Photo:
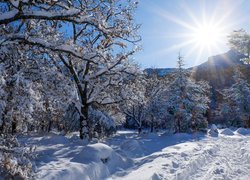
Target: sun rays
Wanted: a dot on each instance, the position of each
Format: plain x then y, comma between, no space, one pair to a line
200,33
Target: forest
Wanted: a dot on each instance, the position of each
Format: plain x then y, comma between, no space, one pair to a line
67,67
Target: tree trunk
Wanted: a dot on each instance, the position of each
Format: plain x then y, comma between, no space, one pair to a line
13,125
152,124
139,130
85,125
49,125
5,127
177,124
48,114
2,127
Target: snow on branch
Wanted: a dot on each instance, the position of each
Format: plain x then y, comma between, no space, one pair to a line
72,14
42,43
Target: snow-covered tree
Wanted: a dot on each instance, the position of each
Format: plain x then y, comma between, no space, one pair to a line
18,100
15,159
145,107
187,100
135,107
95,52
240,41
36,93
237,101
156,109
3,95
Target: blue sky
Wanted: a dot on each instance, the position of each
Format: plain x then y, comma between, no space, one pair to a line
163,23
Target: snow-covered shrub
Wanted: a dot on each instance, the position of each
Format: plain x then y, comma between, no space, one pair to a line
71,119
213,130
102,123
15,160
106,161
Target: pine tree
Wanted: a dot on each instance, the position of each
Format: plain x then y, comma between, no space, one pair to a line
237,101
187,99
240,41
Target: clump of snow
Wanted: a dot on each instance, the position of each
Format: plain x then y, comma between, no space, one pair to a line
94,153
227,132
243,131
76,161
214,127
104,157
213,131
156,177
132,148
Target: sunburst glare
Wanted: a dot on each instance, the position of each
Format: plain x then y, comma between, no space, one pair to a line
208,35
201,34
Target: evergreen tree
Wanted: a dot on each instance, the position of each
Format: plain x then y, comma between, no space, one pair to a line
187,99
237,104
240,41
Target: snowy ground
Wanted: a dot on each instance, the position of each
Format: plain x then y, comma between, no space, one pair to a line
149,156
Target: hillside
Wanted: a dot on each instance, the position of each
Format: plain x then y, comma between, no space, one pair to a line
219,69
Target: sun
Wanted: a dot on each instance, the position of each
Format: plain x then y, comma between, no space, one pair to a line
198,33
207,35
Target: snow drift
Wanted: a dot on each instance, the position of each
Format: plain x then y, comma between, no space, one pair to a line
132,148
94,161
243,131
227,132
104,157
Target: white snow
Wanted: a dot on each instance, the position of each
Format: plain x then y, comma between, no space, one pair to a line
148,156
132,148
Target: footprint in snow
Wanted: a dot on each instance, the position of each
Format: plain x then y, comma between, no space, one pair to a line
184,154
156,177
172,171
218,171
175,165
176,147
165,165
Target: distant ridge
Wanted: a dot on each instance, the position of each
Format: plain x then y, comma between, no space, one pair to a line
218,70
159,71
221,61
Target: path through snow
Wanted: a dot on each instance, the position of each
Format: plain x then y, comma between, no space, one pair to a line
230,160
146,157
224,157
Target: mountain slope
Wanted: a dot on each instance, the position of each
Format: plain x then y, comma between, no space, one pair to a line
219,69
